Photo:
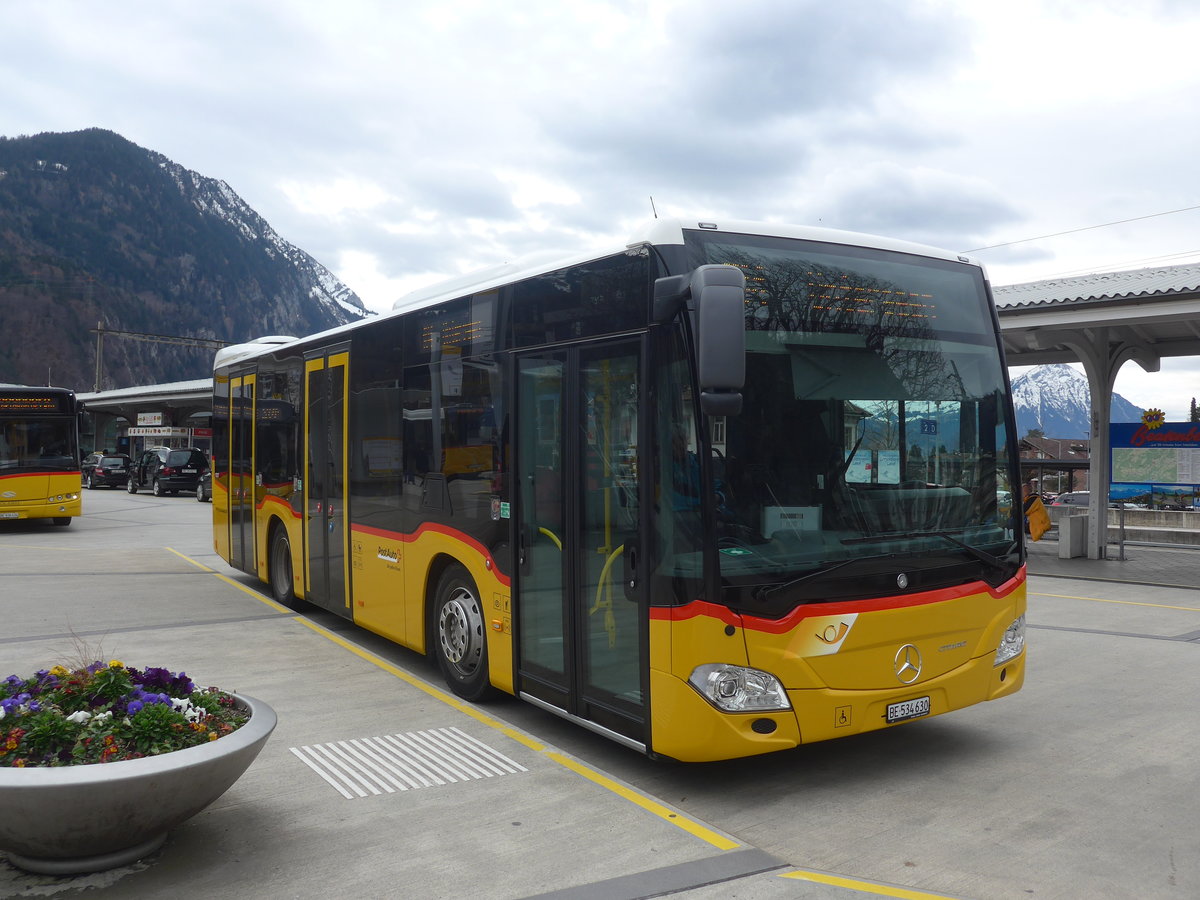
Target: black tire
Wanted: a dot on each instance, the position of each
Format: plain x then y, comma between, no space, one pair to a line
88,483
131,485
62,521
200,493
458,635
279,569
156,488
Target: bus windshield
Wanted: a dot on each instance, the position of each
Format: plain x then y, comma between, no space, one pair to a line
44,444
873,426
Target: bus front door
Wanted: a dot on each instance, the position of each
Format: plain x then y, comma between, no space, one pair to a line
581,626
325,486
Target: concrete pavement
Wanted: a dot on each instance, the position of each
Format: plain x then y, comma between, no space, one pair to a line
499,815
136,579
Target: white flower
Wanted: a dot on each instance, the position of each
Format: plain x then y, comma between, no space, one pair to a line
104,716
82,716
184,706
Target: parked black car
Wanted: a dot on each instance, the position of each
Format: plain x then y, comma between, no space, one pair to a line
167,471
100,469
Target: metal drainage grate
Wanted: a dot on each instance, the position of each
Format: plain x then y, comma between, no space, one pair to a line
402,762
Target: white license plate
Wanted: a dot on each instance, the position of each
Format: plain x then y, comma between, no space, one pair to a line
907,709
9,515
116,471
189,471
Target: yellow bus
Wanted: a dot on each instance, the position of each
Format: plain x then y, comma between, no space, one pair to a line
39,454
726,489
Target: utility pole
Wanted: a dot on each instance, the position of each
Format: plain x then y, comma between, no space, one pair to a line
99,354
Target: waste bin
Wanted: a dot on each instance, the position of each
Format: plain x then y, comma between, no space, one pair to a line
1072,536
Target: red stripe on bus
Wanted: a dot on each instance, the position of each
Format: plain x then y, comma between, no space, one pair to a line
438,529
816,610
26,473
279,501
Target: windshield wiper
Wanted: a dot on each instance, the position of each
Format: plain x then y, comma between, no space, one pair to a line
765,592
1005,569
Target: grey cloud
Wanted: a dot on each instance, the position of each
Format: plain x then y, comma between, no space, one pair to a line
919,205
781,57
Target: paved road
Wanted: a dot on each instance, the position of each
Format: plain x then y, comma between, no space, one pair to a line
1081,786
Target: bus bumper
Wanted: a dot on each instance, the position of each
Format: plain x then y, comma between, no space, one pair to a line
59,506
688,728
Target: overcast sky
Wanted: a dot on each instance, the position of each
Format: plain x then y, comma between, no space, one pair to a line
403,141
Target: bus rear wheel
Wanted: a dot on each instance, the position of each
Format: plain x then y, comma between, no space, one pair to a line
280,569
458,635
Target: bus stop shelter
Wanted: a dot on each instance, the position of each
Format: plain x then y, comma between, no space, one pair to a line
176,414
1103,321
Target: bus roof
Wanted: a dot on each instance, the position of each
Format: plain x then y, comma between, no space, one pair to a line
657,232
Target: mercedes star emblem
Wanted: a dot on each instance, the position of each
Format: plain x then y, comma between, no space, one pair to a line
908,664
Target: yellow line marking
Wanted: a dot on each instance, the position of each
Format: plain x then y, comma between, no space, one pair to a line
866,887
652,806
186,558
1121,602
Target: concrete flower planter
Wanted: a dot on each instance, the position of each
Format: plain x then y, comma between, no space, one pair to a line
64,821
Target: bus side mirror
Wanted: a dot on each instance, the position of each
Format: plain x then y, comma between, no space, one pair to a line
719,298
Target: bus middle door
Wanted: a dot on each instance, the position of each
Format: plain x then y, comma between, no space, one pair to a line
325,483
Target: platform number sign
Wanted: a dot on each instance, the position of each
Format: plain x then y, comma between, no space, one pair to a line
929,426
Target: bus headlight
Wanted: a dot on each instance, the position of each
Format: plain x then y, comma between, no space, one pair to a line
1012,643
738,689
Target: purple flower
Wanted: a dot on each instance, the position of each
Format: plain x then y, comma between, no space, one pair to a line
153,677
134,707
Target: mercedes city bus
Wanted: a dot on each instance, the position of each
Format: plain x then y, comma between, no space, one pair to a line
724,490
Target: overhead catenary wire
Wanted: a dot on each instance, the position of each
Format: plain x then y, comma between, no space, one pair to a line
1169,212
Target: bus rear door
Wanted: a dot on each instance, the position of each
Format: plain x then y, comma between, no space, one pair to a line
241,477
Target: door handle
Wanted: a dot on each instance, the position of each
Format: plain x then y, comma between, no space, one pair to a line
629,570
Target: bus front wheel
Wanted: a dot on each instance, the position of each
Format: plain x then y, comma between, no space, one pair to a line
282,588
458,635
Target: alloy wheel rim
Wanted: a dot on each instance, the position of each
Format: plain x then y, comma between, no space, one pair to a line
459,627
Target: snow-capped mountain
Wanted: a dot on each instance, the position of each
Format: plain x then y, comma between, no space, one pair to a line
95,229
1057,400
214,197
